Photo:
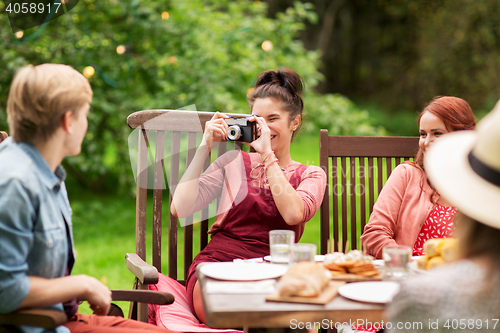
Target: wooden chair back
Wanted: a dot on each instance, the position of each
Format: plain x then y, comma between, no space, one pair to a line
167,141
158,127
357,169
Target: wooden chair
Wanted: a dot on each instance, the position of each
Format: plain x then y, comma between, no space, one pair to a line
357,169
178,133
50,319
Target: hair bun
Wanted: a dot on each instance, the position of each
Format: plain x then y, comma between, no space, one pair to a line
285,78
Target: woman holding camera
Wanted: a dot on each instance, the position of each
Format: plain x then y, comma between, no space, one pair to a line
260,191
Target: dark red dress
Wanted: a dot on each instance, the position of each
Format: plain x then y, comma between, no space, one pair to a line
245,232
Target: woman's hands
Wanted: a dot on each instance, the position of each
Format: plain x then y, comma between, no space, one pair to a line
215,130
262,144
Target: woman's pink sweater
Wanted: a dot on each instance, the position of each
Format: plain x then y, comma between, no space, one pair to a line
400,211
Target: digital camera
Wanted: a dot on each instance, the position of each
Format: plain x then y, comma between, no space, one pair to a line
240,130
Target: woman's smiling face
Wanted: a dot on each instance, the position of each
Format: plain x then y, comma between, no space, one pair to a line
278,121
431,128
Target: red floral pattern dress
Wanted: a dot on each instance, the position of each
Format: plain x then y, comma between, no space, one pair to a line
439,224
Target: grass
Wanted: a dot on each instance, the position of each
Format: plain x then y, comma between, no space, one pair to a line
104,228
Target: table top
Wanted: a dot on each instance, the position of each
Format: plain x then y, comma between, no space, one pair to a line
230,310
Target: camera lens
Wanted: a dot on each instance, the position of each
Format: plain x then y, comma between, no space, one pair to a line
234,132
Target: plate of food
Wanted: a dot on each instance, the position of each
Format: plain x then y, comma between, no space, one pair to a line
371,292
352,266
237,271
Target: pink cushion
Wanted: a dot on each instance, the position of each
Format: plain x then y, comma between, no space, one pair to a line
177,316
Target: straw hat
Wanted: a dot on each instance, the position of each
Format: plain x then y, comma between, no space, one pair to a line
464,167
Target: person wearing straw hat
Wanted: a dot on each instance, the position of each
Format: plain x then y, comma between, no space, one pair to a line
465,295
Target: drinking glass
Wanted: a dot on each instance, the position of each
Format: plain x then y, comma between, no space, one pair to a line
396,260
302,252
280,242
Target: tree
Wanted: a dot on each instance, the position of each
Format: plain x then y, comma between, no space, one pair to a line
160,55
401,53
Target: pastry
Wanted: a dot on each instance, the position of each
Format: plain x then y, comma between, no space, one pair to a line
432,247
353,262
435,262
449,250
422,262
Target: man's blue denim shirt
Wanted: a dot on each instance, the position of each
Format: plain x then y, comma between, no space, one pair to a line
33,238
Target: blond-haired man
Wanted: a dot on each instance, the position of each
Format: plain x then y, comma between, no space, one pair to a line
47,114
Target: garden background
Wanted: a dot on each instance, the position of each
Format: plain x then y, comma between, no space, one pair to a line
369,67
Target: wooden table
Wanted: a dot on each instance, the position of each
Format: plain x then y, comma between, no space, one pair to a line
225,310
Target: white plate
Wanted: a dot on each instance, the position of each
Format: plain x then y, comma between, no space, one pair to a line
235,271
372,292
317,258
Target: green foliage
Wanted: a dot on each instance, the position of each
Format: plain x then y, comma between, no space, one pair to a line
402,53
338,114
202,52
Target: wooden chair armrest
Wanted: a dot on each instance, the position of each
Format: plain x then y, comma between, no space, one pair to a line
48,319
143,296
146,273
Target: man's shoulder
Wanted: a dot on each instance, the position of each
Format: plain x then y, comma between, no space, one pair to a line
15,163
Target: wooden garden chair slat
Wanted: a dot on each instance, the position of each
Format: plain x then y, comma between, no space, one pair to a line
379,152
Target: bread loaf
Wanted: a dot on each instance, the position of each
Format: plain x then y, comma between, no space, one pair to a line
305,279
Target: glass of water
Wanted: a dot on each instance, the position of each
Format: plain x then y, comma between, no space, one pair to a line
280,242
396,261
302,252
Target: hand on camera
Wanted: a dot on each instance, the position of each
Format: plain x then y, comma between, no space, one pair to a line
262,144
215,129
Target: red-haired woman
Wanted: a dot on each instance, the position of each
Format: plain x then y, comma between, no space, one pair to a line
409,210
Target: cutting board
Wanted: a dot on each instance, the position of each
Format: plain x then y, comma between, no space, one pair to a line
326,296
